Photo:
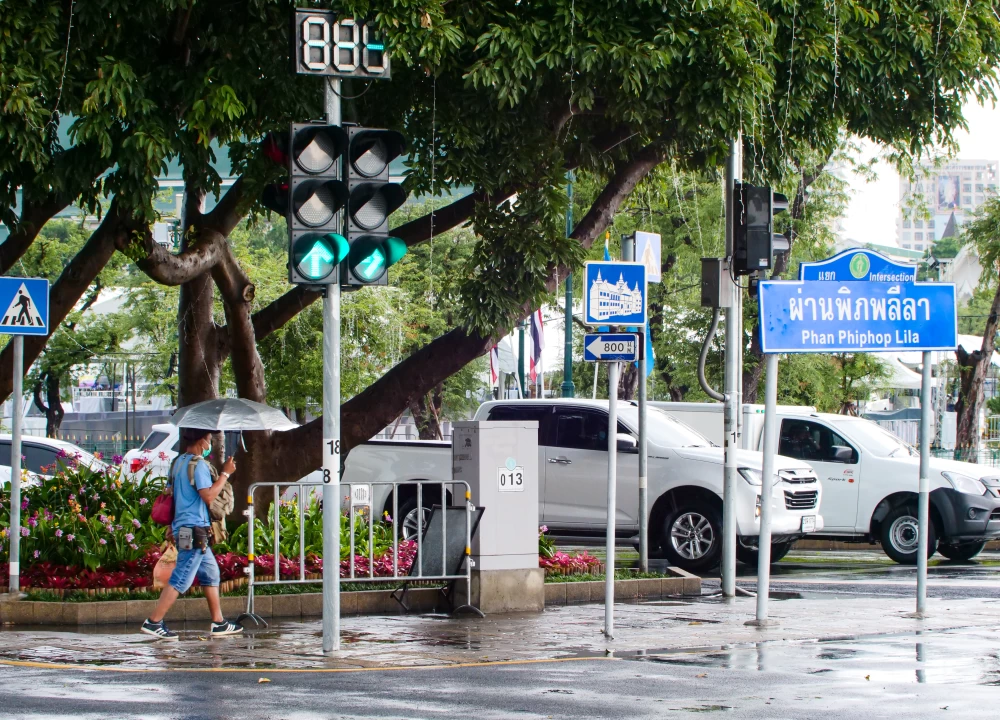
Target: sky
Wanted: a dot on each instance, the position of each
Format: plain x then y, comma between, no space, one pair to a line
871,213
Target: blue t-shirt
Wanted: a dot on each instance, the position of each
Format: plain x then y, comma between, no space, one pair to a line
189,509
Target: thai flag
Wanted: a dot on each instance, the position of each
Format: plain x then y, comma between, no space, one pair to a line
537,343
494,366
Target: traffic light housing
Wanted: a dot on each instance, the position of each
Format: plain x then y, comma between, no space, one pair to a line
372,198
754,240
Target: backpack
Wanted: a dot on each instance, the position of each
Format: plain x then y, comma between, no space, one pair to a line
163,506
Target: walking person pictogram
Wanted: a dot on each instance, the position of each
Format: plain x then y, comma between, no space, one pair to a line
25,302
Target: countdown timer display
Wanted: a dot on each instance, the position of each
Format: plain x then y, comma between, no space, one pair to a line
326,44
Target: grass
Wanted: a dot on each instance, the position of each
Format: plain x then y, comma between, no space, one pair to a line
592,577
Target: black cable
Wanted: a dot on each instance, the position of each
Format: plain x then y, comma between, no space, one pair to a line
346,97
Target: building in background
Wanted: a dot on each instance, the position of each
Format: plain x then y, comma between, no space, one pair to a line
941,199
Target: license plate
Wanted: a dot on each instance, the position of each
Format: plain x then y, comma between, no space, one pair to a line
809,523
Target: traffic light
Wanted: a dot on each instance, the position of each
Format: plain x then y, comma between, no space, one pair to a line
754,240
372,198
316,196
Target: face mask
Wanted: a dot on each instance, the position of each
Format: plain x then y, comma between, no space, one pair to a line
206,452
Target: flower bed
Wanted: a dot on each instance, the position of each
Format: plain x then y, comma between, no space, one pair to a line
556,562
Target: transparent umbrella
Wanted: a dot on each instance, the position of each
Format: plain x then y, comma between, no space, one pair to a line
231,414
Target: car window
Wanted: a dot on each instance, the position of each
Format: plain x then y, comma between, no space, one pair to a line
39,459
540,413
807,440
153,440
5,453
582,429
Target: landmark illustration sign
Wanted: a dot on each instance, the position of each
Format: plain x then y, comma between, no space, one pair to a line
614,293
26,303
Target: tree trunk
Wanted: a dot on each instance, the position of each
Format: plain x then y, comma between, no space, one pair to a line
972,369
52,405
426,411
628,382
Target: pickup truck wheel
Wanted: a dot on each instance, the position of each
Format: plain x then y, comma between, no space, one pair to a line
410,518
961,551
692,537
899,535
748,555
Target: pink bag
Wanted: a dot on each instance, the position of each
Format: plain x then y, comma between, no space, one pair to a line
163,509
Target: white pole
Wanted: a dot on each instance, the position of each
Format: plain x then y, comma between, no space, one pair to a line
597,371
766,484
734,349
16,400
331,431
923,499
609,541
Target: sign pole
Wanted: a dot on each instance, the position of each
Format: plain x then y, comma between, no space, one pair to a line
628,255
923,499
734,344
15,465
331,429
609,563
766,484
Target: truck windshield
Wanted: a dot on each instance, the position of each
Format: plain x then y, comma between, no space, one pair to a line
877,439
665,430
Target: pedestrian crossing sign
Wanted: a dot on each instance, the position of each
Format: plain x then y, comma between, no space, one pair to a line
27,306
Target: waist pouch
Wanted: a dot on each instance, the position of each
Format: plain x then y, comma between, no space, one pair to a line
191,537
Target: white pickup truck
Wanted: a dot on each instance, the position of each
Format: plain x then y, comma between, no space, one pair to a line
685,480
870,479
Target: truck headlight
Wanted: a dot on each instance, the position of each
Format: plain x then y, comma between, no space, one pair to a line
751,476
964,483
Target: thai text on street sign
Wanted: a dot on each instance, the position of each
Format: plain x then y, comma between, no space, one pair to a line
611,347
614,293
25,302
832,317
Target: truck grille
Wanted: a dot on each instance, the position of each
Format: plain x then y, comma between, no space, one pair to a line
797,476
803,500
995,515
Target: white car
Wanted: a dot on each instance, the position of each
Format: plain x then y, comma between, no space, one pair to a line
870,479
685,480
41,455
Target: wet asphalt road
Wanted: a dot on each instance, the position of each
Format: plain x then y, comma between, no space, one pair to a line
949,674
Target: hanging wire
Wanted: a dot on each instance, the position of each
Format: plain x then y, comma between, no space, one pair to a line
430,273
329,81
62,79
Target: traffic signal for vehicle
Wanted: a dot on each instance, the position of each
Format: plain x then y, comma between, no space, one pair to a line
372,198
754,240
316,197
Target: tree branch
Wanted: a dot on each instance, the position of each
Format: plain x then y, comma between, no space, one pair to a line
166,268
226,215
237,295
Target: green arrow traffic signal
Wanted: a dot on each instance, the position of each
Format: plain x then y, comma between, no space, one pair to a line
371,256
316,256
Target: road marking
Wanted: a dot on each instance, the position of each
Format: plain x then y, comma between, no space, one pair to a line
265,670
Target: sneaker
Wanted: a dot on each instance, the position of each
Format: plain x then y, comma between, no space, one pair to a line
226,627
158,630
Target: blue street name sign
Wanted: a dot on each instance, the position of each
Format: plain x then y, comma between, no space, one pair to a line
610,347
858,265
830,317
25,306
614,293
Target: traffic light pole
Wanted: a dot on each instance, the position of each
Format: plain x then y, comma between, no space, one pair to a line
733,390
331,429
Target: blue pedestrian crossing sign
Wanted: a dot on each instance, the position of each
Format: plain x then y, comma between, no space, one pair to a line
26,304
614,293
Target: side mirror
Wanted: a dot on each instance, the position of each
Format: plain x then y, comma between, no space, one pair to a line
627,443
842,454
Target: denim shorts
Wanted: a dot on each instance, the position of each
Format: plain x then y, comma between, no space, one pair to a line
193,564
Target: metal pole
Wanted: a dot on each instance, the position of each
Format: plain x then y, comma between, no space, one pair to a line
568,389
331,431
520,358
923,499
766,484
597,371
15,465
628,255
609,543
734,333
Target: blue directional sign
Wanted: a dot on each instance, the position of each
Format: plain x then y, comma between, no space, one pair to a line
858,265
614,293
27,306
830,317
611,347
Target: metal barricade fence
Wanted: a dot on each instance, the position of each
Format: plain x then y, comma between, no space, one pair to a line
366,493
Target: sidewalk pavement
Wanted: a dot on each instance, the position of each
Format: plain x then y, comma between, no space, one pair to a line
642,628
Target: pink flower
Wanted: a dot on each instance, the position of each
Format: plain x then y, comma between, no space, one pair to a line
162,455
133,546
25,532
59,533
103,541
70,538
129,537
136,523
543,529
102,519
36,554
33,521
143,501
82,518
